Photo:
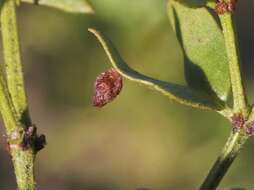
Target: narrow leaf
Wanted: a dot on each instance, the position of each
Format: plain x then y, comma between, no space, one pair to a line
205,58
180,94
74,6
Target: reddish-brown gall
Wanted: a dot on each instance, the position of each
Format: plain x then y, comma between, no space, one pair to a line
107,86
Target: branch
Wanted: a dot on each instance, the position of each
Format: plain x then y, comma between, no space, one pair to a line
224,161
239,96
12,60
13,100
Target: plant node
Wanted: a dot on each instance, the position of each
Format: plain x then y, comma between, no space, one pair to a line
30,140
237,121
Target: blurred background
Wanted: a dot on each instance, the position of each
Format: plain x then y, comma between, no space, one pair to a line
139,141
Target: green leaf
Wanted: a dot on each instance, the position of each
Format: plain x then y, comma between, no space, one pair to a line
73,6
202,41
181,94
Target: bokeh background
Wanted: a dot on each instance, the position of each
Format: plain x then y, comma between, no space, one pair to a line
141,140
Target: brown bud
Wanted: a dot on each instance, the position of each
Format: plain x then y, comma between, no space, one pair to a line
237,121
223,6
32,140
250,128
232,5
107,86
39,142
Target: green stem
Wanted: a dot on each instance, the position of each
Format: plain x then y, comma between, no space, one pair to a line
7,109
22,160
222,164
239,97
13,103
12,59
24,168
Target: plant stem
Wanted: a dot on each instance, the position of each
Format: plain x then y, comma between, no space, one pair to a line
239,97
234,143
22,160
24,168
7,109
12,58
13,102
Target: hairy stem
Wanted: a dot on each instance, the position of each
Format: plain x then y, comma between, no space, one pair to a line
239,97
222,164
24,168
12,58
7,109
22,160
13,99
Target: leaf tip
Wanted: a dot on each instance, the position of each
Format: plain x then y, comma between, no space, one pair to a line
95,32
92,30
